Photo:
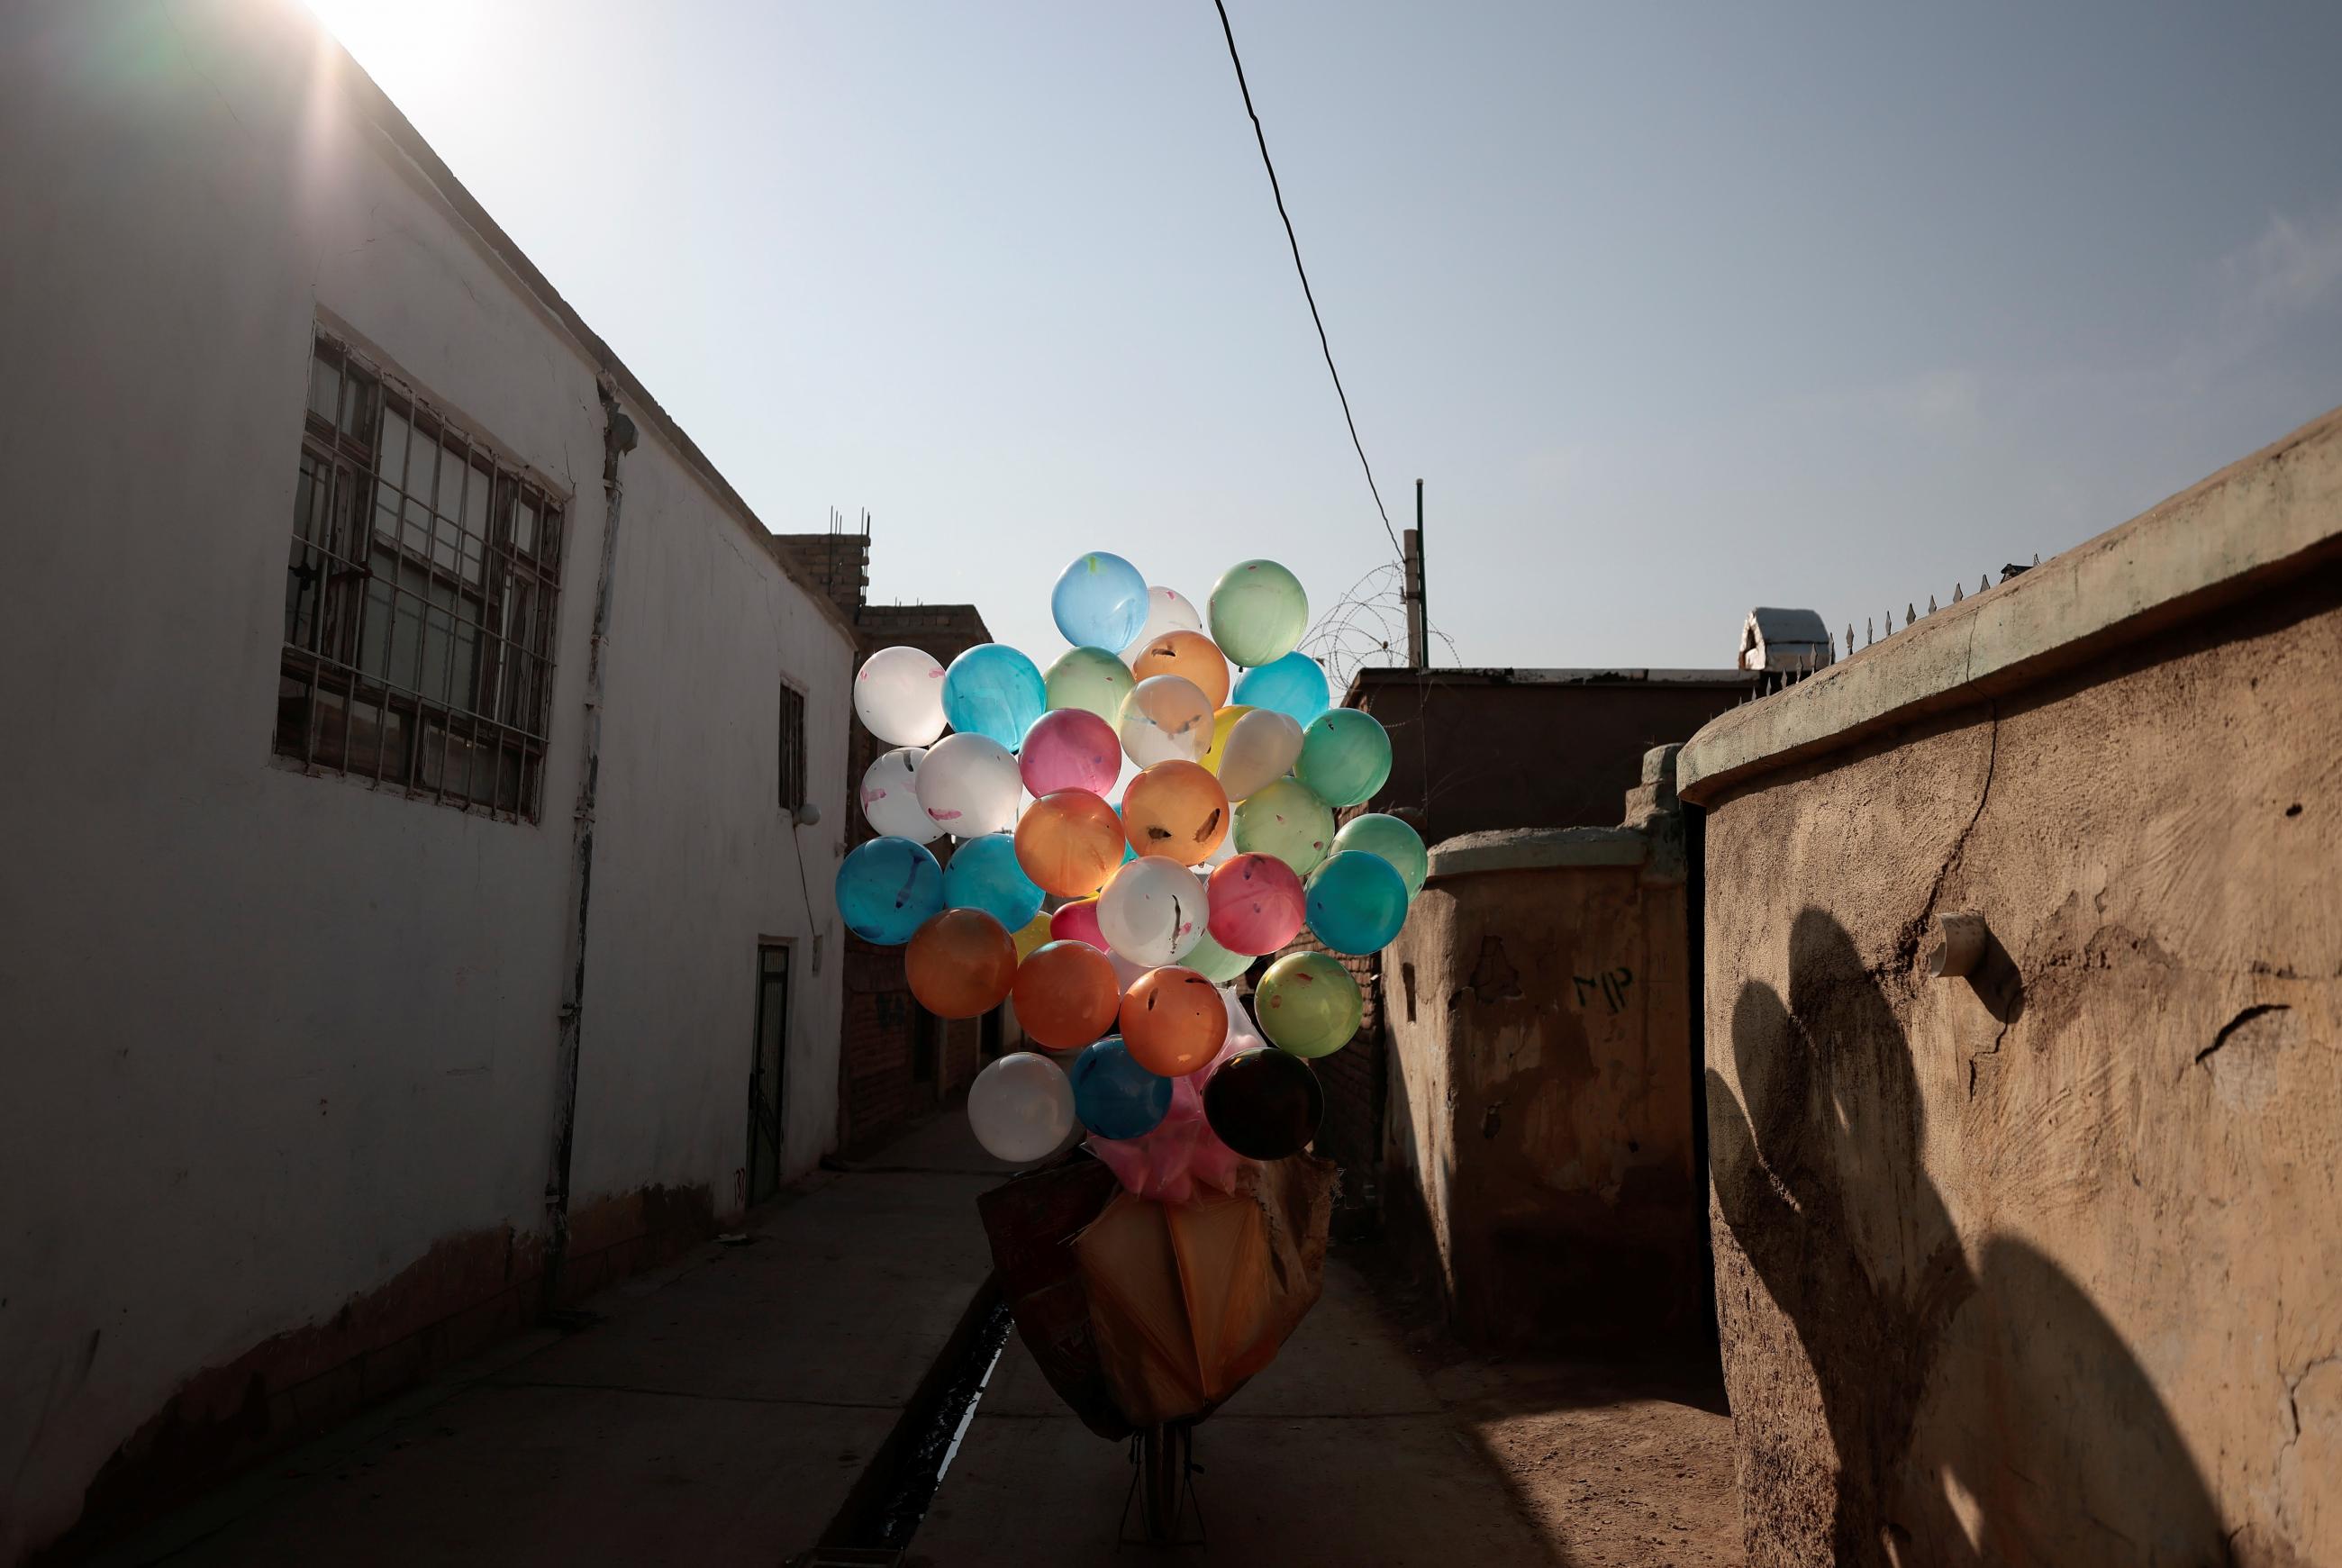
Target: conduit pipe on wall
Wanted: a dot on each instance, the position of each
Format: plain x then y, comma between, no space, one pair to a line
618,438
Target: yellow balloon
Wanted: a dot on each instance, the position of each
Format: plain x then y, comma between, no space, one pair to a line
1222,722
1032,934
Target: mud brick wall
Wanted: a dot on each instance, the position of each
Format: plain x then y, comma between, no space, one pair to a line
2037,1263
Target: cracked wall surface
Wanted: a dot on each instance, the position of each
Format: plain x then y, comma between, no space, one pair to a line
2042,1264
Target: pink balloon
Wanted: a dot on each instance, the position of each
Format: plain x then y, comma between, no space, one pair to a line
1070,748
1258,904
1077,922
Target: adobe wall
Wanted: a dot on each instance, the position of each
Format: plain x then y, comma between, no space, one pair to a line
1539,1130
2043,1264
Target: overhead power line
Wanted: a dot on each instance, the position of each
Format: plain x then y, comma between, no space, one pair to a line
1307,293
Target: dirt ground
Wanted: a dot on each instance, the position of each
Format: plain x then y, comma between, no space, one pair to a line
1616,1465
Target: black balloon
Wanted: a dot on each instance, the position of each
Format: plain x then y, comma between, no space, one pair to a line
1265,1103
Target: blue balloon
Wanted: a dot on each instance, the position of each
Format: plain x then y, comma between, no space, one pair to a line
995,691
1128,854
1113,1096
1294,684
888,889
984,874
1099,602
1357,902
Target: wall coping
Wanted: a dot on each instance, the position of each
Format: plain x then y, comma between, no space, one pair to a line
1536,848
2262,519
1367,676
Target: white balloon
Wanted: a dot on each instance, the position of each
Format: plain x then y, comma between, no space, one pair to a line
1167,610
899,695
1127,971
969,786
1261,748
1167,718
1021,1107
890,796
1153,910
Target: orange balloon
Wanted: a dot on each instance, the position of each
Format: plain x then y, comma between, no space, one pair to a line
1069,841
1175,809
1188,653
1173,1021
1065,994
961,962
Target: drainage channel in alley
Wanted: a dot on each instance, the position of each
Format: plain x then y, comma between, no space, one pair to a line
875,1526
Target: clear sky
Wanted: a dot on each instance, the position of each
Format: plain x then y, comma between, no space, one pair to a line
1675,308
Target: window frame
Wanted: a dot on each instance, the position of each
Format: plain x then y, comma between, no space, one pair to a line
791,790
386,568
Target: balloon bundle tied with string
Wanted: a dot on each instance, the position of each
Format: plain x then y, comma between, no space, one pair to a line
1114,916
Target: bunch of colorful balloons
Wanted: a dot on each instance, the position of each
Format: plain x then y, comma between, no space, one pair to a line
1116,918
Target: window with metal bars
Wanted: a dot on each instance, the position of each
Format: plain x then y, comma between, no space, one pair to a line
793,747
420,599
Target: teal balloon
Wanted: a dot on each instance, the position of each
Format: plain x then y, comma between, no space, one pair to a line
1128,854
888,889
992,690
1113,1096
1357,902
1099,602
1377,833
1294,684
984,874
1346,756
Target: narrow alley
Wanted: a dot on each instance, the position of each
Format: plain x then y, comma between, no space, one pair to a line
737,1407
1305,785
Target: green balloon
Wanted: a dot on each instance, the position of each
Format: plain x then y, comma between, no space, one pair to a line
1214,963
1308,1005
1377,833
1258,613
1286,820
1345,756
1091,679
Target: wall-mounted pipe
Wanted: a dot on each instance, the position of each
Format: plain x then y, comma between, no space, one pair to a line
618,438
1960,947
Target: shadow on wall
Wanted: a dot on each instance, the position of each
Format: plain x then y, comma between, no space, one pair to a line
1978,1414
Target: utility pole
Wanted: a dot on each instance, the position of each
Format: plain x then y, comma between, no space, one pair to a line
1418,622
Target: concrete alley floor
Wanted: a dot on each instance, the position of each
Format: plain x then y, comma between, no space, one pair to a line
718,1415
723,1409
1371,1439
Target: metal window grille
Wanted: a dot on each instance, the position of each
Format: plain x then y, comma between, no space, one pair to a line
420,599
793,747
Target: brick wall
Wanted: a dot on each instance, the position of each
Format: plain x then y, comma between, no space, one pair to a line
1352,1078
879,1092
838,563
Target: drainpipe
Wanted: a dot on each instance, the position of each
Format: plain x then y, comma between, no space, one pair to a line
618,436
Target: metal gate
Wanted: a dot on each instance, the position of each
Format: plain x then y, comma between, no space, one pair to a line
767,1068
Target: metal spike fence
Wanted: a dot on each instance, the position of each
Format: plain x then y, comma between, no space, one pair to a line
1781,680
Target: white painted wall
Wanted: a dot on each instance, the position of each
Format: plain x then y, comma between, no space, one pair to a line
265,1038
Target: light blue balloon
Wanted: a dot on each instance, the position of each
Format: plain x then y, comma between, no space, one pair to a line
1128,854
993,689
1357,902
1294,684
888,889
1099,602
1114,1095
984,874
